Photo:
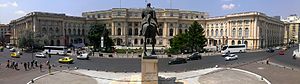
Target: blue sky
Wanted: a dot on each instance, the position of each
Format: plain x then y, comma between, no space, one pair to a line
12,9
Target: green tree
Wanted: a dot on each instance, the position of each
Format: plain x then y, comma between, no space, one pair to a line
26,39
95,34
193,40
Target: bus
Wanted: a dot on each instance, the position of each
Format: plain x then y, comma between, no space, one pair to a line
57,50
233,49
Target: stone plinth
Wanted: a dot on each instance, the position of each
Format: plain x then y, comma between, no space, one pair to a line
149,70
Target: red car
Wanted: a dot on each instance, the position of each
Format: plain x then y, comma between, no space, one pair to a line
281,52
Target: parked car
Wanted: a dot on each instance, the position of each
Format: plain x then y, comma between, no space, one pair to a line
83,56
14,55
12,50
40,55
194,56
231,57
270,50
177,61
66,60
281,52
278,48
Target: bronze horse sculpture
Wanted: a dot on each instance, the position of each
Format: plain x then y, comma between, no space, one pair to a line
149,28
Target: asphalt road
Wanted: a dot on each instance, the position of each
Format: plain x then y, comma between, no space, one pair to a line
286,59
133,64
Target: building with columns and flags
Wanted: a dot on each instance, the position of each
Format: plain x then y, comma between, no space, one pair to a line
255,29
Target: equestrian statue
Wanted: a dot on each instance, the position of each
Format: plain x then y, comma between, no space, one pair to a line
149,27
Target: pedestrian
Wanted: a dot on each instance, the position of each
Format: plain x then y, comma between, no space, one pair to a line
32,62
16,66
36,65
25,66
47,63
41,66
12,65
7,64
28,65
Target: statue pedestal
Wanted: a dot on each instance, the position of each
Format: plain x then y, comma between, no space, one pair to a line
149,70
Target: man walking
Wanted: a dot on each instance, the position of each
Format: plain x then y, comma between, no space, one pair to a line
28,65
35,62
32,64
7,65
25,66
41,66
16,66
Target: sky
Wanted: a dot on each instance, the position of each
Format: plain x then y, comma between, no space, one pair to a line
13,9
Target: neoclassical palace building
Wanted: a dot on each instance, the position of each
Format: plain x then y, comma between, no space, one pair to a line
254,29
53,28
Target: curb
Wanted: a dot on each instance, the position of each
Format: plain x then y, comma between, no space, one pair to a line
39,77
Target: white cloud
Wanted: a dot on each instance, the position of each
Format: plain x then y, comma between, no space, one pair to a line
20,12
2,5
228,6
12,4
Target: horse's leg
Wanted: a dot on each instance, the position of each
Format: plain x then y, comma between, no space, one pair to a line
153,45
145,48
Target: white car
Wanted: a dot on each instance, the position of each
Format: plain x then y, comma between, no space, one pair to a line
83,56
231,57
12,50
40,55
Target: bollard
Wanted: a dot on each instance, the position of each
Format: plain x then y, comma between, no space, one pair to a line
261,78
32,81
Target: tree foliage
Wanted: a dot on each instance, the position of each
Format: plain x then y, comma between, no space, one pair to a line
191,41
95,34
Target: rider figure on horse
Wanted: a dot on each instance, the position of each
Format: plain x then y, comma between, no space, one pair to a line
149,27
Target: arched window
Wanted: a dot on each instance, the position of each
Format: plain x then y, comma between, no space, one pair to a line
212,32
56,30
246,32
119,31
180,31
239,42
142,41
44,30
58,42
240,32
171,32
74,31
51,30
232,42
51,42
82,32
65,31
233,32
207,32
160,32
221,32
78,31
135,41
185,30
217,32
246,43
70,32
136,31
130,31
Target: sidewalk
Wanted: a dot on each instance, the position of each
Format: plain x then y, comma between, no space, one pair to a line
191,77
274,73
